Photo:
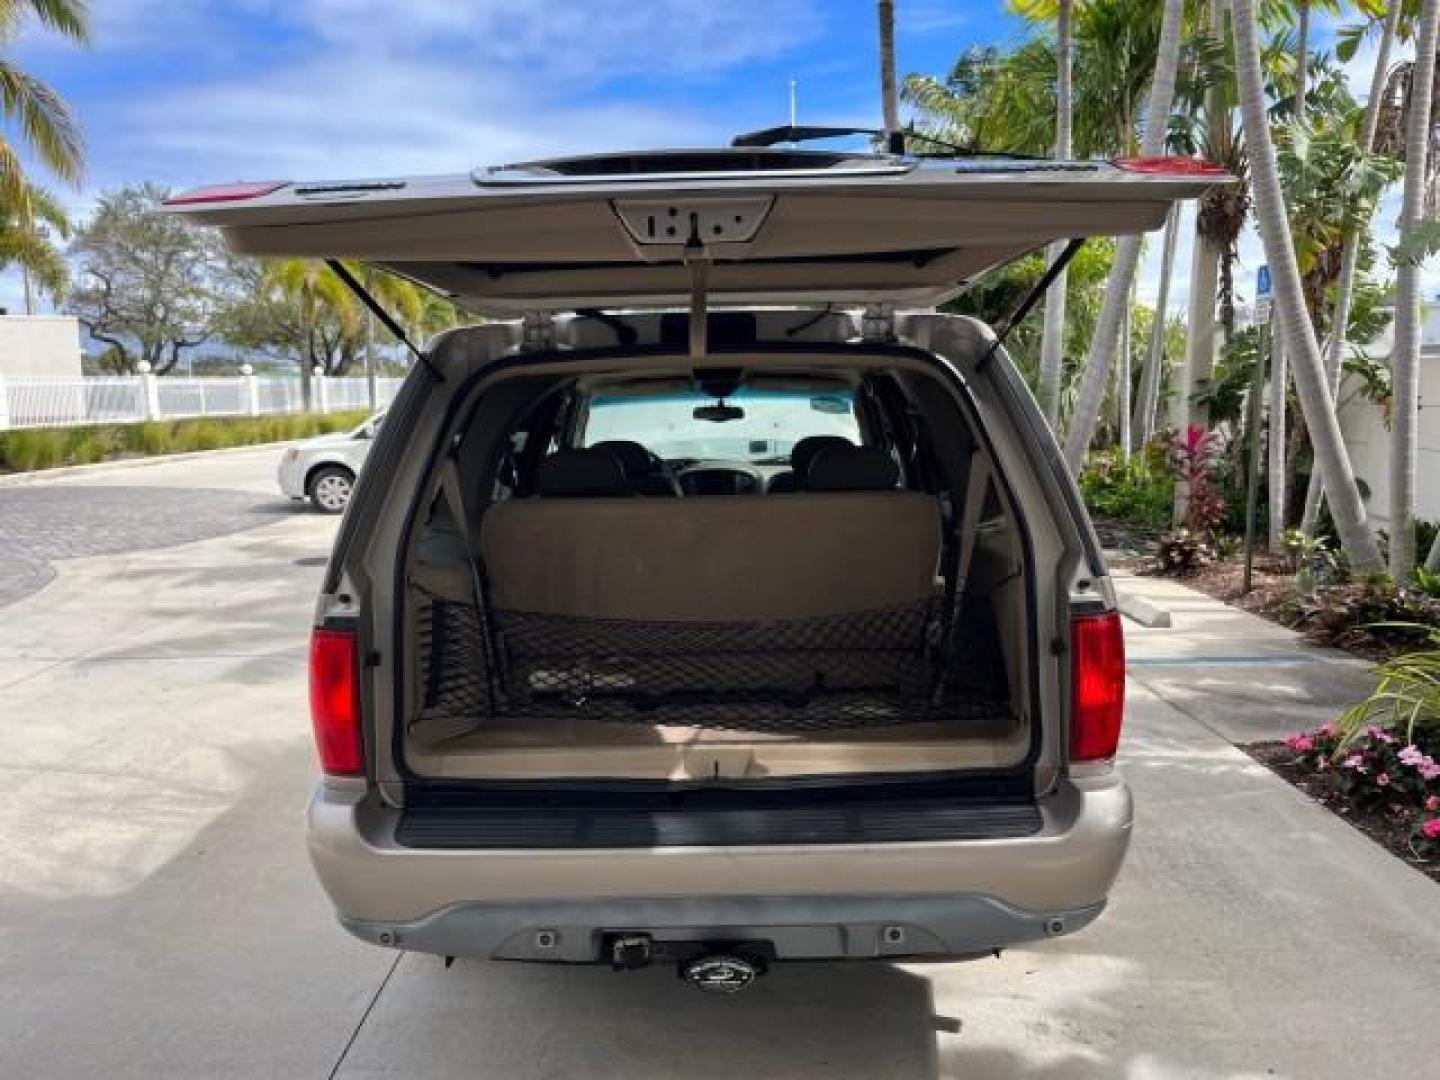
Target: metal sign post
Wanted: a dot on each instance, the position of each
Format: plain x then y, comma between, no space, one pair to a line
1257,392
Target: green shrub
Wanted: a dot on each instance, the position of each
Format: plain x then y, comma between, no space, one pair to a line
1182,552
26,450
45,448
1407,697
156,438
1374,615
1128,492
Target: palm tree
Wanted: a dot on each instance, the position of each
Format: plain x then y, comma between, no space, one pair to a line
1350,256
1052,342
1127,251
1148,398
48,128
315,291
1279,369
399,297
1405,359
1296,330
885,9
27,240
1216,219
45,122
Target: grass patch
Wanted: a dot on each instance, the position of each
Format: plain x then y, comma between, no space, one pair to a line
47,448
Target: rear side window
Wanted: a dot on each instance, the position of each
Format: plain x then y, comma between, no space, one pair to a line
755,426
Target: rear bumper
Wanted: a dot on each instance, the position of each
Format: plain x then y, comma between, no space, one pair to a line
819,900
796,927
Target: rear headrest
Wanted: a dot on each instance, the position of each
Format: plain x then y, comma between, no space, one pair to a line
804,451
592,473
634,458
852,468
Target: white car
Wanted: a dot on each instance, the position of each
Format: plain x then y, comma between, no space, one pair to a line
323,469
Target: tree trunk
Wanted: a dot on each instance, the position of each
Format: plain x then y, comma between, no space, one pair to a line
1350,258
372,384
1275,446
1204,275
307,358
1127,251
1052,342
1405,360
1302,58
1150,374
1122,377
886,11
1279,372
1294,323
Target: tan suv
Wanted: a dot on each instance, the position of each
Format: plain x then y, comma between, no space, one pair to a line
721,603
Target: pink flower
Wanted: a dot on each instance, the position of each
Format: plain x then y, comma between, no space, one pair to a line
1429,770
1325,730
1354,761
1432,803
1431,829
1300,743
1379,734
1383,779
1411,755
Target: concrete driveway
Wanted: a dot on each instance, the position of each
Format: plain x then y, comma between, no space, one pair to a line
158,918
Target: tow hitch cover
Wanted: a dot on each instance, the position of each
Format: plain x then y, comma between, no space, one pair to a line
721,974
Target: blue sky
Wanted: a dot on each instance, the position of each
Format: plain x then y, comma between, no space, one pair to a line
200,91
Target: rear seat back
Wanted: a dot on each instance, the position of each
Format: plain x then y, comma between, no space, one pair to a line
712,560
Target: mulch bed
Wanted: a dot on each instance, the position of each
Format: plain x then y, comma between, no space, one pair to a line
1391,831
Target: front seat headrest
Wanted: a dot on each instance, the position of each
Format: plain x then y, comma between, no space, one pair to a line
852,468
589,473
646,473
634,458
802,455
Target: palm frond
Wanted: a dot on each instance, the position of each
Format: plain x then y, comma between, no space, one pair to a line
44,118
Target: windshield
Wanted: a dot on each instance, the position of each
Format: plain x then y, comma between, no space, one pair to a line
760,426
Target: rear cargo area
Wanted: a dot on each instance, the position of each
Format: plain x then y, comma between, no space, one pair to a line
841,628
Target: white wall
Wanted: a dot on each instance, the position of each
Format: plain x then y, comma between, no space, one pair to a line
48,345
1368,440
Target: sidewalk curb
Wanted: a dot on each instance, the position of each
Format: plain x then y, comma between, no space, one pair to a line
102,467
1145,612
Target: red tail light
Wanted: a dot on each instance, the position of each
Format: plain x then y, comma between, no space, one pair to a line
225,193
1170,166
1098,684
335,701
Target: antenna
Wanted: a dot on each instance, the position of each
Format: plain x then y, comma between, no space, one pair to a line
794,101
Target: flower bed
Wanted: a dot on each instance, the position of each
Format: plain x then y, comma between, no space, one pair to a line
1384,786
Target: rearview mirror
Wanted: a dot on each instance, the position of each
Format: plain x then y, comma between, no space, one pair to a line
719,413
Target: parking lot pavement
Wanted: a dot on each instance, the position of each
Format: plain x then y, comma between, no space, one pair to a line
158,917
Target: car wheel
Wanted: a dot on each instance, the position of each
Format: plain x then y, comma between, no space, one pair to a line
329,488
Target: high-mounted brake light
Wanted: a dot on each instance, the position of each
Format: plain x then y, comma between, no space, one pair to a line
1170,166
219,193
1097,686
335,701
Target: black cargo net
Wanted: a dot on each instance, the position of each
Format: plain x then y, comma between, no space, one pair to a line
793,676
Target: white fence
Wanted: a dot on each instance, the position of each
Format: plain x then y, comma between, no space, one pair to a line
40,401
